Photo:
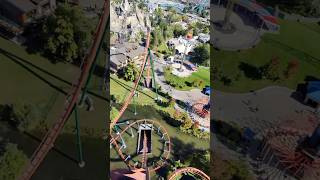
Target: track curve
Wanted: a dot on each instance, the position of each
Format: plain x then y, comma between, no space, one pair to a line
166,153
48,141
191,170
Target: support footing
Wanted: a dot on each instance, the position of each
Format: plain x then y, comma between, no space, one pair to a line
81,164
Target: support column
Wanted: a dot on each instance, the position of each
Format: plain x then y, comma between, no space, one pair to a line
134,103
153,76
81,162
131,131
123,144
91,71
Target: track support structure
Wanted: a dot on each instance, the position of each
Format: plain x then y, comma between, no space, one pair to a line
81,162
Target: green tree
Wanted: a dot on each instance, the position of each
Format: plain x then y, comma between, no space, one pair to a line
186,126
12,161
158,13
178,31
201,160
67,33
24,116
61,40
292,68
174,165
130,72
271,70
201,55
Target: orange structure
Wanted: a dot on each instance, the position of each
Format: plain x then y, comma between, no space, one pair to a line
48,141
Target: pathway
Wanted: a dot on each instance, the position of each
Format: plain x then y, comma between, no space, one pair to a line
260,109
185,96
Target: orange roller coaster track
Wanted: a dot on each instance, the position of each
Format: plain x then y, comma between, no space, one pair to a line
191,170
129,98
51,136
136,83
167,148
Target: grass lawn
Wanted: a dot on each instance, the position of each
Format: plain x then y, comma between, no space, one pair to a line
30,78
296,41
120,88
147,109
203,74
178,139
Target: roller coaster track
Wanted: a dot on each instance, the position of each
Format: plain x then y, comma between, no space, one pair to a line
129,98
167,149
136,83
191,170
48,141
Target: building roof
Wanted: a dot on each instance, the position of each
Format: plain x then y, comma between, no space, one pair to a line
23,5
131,50
40,1
118,59
184,49
313,91
260,10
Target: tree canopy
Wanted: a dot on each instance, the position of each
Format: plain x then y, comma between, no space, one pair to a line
22,116
130,72
12,161
67,33
201,55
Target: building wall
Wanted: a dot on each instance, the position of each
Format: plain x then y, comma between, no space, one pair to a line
13,13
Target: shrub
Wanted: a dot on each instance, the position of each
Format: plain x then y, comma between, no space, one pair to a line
12,161
271,70
292,68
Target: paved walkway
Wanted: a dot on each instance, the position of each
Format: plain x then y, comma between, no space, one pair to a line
259,110
186,96
244,37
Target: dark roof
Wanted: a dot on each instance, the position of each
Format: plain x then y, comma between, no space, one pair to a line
118,58
131,50
40,1
22,5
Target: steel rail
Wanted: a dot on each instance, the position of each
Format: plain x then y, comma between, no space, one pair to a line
48,141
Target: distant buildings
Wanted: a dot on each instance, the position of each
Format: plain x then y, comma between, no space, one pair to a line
203,38
183,45
121,54
165,5
261,15
15,14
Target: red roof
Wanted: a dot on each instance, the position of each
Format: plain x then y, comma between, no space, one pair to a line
271,19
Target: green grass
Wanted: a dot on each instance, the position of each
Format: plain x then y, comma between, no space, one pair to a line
119,88
31,78
34,79
175,134
295,41
147,109
203,74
